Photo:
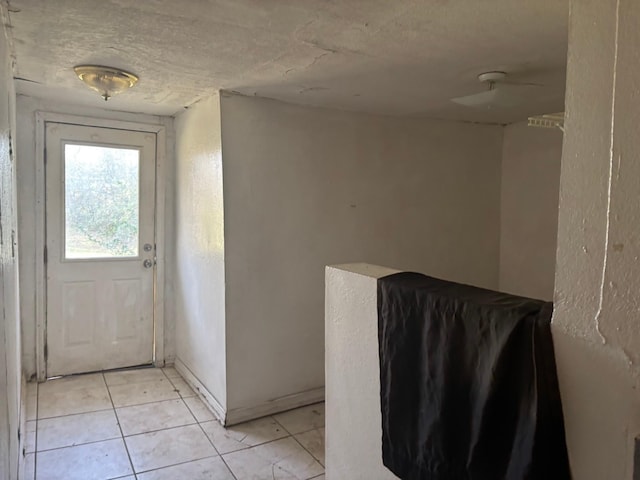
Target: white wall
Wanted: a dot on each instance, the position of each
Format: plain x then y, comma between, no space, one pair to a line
595,324
26,144
529,216
307,187
199,238
353,419
11,457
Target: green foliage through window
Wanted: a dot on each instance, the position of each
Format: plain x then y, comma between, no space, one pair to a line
101,201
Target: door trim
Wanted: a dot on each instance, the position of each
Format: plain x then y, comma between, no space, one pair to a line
42,118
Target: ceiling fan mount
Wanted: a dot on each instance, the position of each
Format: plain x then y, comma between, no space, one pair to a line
501,93
492,77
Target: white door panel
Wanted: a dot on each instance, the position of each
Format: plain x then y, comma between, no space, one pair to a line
100,195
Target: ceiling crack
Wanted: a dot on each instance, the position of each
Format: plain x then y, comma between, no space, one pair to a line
313,62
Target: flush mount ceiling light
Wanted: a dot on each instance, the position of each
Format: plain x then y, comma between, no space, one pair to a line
500,93
107,81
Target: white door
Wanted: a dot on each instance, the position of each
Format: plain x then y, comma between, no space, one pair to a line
100,195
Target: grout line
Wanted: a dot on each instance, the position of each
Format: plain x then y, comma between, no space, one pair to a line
249,447
202,429
288,431
224,460
78,444
125,476
192,412
149,403
179,463
300,443
161,430
126,447
79,413
35,453
214,447
176,389
293,435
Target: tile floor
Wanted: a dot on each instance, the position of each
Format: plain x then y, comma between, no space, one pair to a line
148,424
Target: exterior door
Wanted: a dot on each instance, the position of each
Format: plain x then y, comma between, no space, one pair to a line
100,248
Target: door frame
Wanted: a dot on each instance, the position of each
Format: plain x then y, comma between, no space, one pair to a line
42,118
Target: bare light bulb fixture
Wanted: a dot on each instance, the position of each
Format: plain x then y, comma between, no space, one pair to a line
107,81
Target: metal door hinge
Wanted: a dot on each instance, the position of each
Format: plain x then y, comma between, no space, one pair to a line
46,256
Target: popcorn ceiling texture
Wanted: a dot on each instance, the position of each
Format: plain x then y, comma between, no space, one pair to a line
376,56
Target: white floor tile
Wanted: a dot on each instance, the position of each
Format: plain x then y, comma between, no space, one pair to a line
302,419
146,392
31,407
154,416
171,372
77,429
74,382
207,469
279,460
29,467
94,461
246,435
199,409
313,441
133,376
80,400
30,437
168,447
182,387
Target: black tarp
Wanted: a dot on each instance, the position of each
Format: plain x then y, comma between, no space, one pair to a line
468,383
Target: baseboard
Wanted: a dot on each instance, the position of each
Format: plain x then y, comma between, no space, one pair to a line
209,399
240,415
277,405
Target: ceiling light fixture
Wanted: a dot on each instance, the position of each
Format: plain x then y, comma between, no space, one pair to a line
107,81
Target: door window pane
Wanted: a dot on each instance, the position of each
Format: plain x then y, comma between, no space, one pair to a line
101,201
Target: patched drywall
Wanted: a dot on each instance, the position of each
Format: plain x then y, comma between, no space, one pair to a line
307,187
26,172
199,260
529,214
595,322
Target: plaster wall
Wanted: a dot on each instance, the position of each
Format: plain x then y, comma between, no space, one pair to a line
353,418
529,214
200,247
26,171
595,322
307,187
11,426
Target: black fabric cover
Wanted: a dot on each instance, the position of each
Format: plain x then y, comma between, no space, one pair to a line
468,383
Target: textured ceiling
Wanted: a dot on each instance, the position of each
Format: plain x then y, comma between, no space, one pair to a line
399,57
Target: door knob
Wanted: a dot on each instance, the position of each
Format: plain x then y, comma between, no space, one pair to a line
147,263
